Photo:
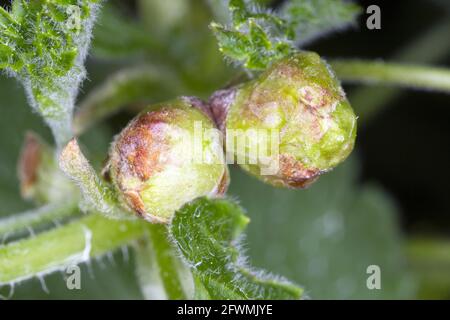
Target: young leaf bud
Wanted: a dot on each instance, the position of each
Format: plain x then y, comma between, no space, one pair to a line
40,178
300,108
168,155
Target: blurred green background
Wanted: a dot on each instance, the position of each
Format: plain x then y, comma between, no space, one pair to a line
389,200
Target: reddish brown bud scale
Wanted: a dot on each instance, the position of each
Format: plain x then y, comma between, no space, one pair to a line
150,162
29,162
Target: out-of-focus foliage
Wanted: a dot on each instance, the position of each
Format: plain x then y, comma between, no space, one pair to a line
313,18
325,237
134,87
128,39
182,32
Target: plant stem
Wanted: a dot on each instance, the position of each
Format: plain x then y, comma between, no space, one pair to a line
70,244
17,223
141,84
161,273
430,261
98,194
367,101
423,251
62,130
410,76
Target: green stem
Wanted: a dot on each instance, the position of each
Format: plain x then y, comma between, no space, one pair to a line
429,259
410,76
161,273
137,85
61,130
429,251
368,101
96,192
70,244
18,223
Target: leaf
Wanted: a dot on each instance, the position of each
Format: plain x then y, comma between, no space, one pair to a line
312,18
254,37
325,237
208,234
44,44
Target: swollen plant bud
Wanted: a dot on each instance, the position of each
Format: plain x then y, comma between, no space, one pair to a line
300,108
168,155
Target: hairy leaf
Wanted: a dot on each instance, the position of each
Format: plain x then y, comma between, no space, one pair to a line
255,37
44,44
208,234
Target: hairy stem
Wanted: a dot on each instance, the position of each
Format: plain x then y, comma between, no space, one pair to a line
410,76
18,223
98,195
71,244
161,273
62,131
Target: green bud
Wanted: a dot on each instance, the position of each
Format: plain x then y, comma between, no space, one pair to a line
301,100
168,155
